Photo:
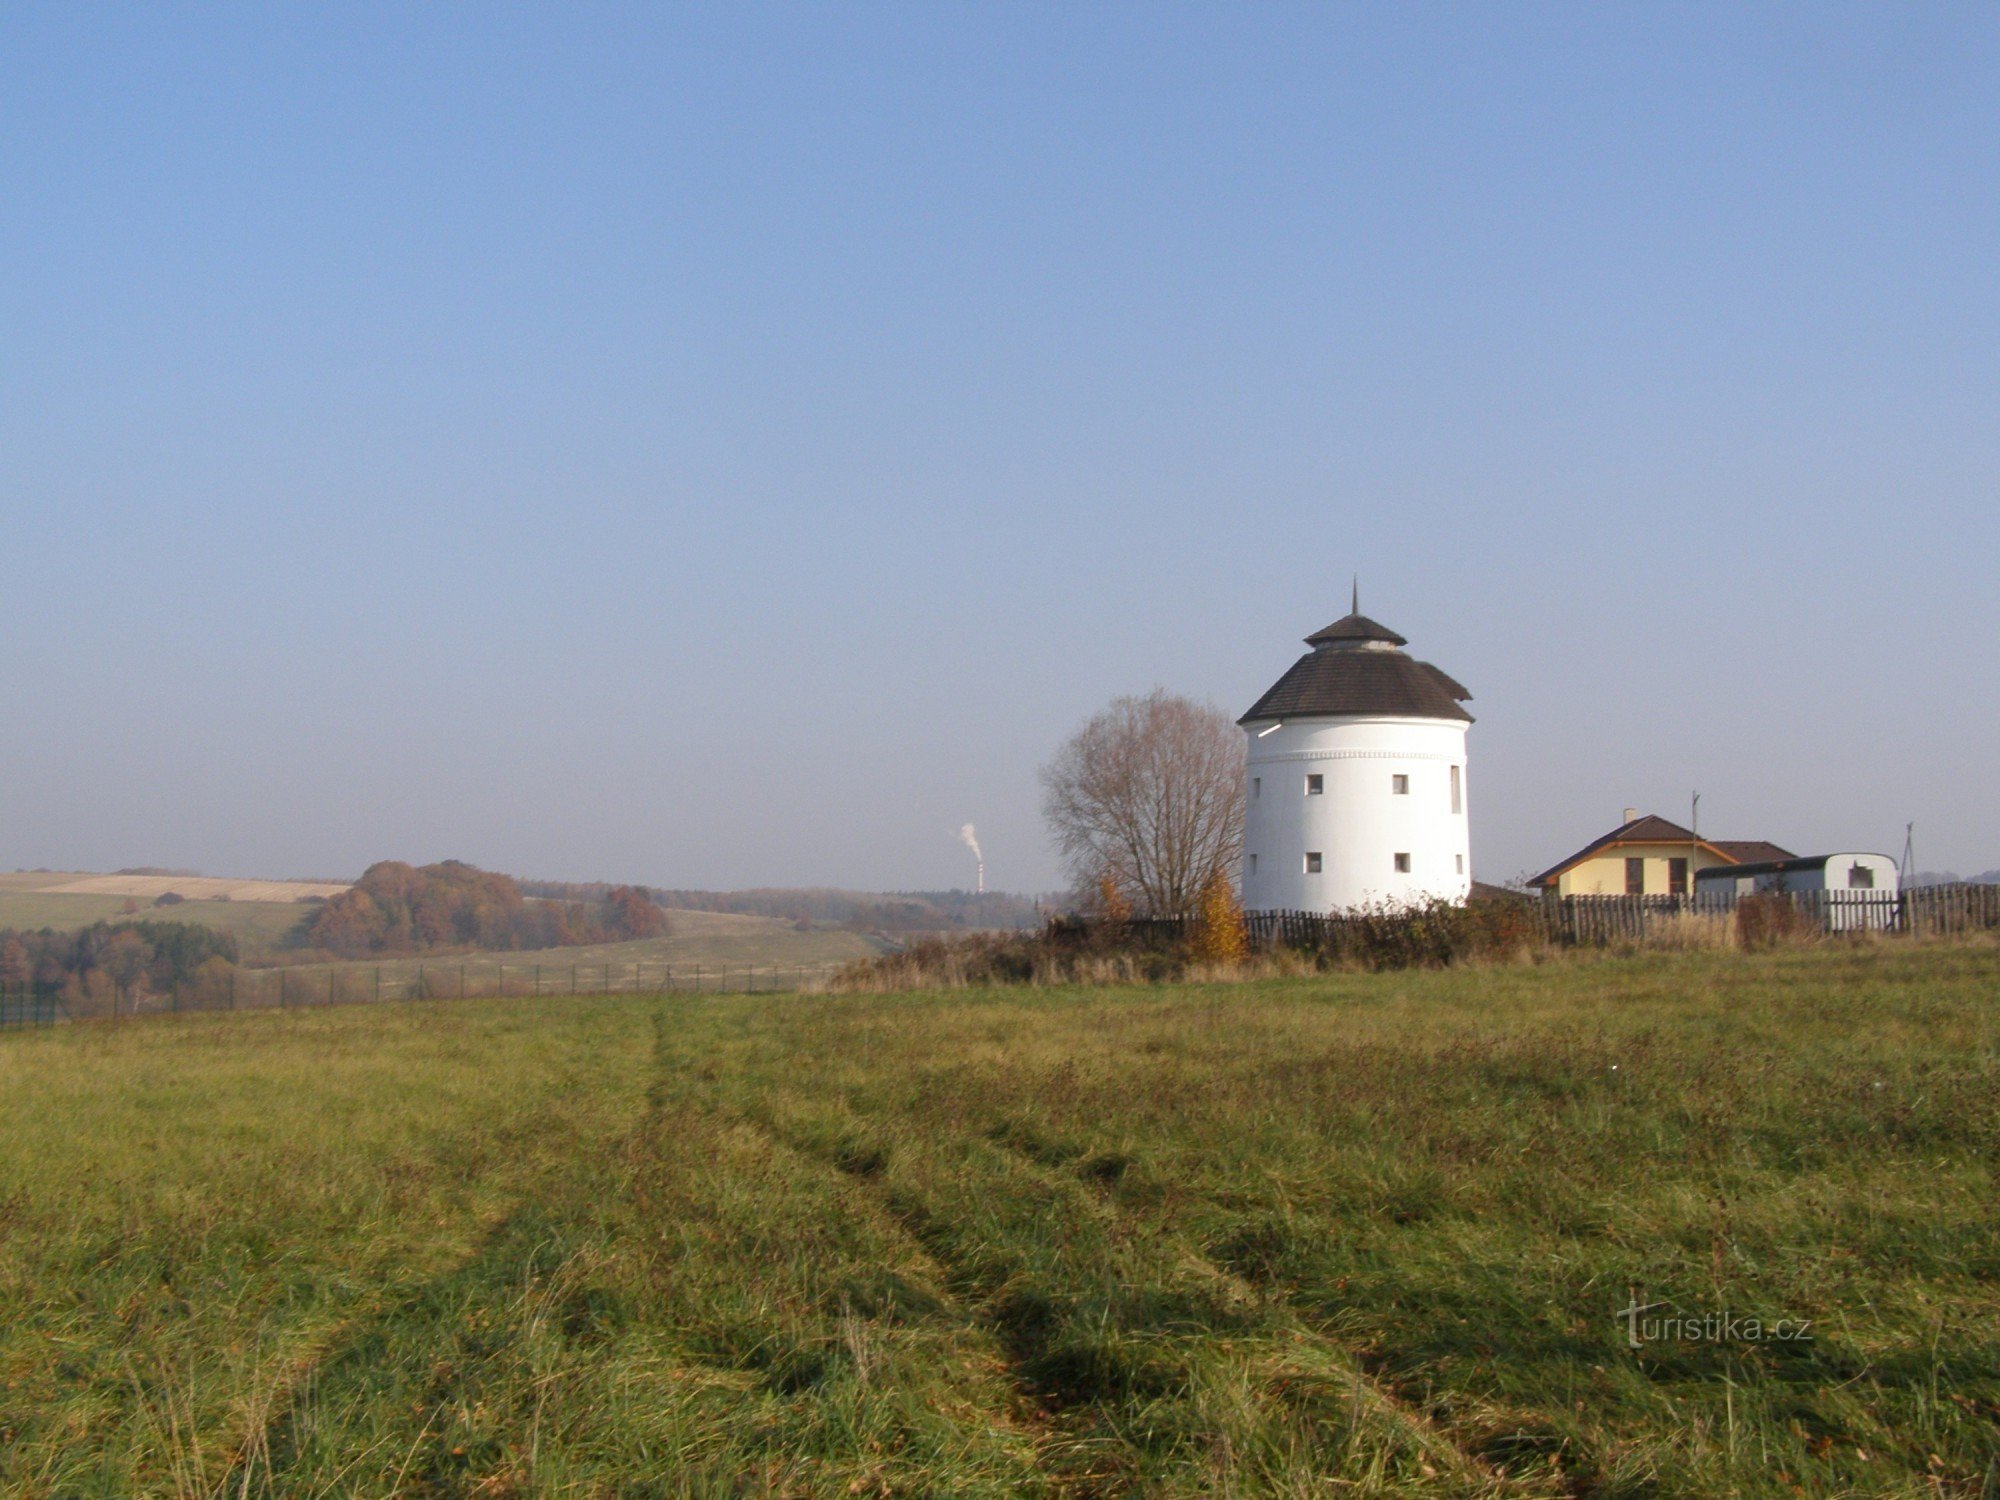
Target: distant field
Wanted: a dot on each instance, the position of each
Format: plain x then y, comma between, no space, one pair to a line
712,939
259,925
196,888
714,948
259,912
1362,1234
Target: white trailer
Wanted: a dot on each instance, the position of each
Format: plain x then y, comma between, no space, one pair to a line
1857,890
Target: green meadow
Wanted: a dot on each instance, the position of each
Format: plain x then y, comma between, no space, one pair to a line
1353,1234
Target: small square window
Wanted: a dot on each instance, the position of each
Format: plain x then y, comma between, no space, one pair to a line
1400,785
1402,864
1312,863
1860,878
1315,785
1459,857
1253,864
1256,787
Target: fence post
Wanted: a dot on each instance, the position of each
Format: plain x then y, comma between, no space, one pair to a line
538,981
284,989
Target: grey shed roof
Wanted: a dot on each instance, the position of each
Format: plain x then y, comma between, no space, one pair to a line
1356,668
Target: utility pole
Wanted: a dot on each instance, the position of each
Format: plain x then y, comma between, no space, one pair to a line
1694,844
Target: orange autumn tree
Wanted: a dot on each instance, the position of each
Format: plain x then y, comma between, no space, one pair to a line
1111,902
1220,936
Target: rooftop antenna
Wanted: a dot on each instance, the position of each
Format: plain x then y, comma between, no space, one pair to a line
1355,607
1909,855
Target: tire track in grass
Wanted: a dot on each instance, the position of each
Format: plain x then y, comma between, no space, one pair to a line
858,1315
1068,1456
282,1415
1101,1172
688,1238
1182,1358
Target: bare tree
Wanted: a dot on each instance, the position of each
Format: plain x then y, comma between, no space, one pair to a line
1150,794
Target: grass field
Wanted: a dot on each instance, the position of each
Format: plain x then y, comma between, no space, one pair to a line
1356,1234
704,937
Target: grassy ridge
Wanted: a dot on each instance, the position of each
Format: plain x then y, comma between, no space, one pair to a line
1190,1240
259,926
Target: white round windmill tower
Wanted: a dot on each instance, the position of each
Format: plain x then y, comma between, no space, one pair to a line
1356,793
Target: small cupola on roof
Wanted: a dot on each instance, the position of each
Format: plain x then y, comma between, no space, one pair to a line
1355,632
1357,667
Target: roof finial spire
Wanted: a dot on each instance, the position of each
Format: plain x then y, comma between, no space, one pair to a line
1356,609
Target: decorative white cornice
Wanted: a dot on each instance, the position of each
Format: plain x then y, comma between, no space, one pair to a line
1285,755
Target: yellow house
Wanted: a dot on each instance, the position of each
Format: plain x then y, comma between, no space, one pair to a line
1647,856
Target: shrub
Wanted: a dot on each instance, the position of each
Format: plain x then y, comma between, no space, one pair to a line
1219,935
1771,919
1079,950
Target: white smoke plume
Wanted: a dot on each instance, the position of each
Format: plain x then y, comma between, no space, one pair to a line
971,841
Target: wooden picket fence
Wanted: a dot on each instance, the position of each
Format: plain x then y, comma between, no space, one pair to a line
1594,921
1937,909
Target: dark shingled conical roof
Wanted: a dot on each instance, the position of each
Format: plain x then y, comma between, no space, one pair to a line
1356,668
1355,627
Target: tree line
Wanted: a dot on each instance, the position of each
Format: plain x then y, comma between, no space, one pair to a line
108,961
400,908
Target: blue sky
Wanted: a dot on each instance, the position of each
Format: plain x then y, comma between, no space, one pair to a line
734,445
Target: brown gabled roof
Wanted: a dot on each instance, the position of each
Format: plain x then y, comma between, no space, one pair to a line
1752,851
1655,830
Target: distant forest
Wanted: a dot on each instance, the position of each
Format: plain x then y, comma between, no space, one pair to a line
114,958
399,908
859,911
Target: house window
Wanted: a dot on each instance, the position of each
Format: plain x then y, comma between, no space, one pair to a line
1315,785
1457,798
1461,862
1402,864
1312,863
1860,878
1253,864
1677,877
1635,877
1256,787
1400,785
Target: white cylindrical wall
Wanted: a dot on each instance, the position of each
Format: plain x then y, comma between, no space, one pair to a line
1358,823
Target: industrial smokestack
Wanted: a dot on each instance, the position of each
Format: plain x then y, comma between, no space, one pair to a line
971,841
